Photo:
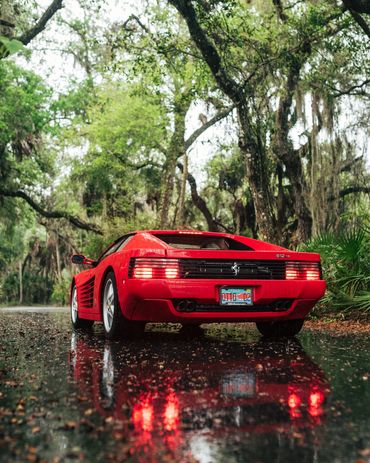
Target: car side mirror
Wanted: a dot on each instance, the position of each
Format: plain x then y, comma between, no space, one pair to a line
79,259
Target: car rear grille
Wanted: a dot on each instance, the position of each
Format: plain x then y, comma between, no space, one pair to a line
239,270
86,294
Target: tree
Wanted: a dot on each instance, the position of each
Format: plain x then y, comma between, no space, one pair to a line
166,64
259,62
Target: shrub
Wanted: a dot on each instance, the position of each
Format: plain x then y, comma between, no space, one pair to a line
346,266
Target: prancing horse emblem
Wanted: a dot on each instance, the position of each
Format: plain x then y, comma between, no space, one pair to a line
235,268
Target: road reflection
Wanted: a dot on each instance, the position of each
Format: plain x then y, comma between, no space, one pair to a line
183,395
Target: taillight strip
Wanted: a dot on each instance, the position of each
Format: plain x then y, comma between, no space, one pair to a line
162,268
300,270
154,268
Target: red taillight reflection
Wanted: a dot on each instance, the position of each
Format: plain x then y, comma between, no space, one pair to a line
294,401
148,268
302,271
171,413
142,416
316,399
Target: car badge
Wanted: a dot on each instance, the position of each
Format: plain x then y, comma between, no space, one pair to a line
235,268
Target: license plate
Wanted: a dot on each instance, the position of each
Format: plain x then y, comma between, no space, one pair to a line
239,385
236,296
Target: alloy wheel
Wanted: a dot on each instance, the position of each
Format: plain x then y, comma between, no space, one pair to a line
108,305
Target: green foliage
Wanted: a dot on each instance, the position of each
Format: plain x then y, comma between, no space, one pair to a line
61,289
9,46
126,121
346,267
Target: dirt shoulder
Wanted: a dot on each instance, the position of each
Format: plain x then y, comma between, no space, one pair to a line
339,327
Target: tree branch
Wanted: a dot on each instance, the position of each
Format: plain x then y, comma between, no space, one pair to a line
359,6
197,133
279,10
138,21
123,159
361,22
50,214
199,201
347,167
4,22
41,23
349,190
208,50
349,90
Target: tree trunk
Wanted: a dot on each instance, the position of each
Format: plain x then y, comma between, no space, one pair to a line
174,152
57,254
181,205
284,151
20,273
257,176
254,153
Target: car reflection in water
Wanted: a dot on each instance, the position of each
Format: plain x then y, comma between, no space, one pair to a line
182,401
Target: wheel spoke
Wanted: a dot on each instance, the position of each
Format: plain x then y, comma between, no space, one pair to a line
110,294
74,306
108,305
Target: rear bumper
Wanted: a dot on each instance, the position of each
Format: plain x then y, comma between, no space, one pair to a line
156,300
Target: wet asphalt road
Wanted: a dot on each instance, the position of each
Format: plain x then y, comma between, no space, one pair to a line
227,396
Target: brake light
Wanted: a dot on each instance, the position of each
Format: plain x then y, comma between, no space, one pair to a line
291,273
143,272
171,272
154,268
302,271
312,274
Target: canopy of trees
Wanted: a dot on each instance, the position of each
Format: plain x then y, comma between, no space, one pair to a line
244,116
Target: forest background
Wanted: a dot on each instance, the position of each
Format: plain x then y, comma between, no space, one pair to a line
245,116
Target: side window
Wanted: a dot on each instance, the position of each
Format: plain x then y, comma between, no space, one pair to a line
114,248
120,244
124,243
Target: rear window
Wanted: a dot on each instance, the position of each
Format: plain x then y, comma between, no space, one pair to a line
200,242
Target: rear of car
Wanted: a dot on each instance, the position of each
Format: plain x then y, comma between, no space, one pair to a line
196,277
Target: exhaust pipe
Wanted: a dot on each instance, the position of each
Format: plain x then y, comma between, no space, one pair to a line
186,305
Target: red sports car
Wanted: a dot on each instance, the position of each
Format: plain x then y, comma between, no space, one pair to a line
193,277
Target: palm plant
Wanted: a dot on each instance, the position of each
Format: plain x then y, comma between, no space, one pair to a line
346,267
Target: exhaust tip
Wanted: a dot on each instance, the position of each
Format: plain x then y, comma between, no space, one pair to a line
186,305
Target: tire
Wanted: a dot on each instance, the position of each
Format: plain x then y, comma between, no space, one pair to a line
115,324
78,323
279,329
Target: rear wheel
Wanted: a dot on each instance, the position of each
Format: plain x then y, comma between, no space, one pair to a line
279,329
78,323
115,324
